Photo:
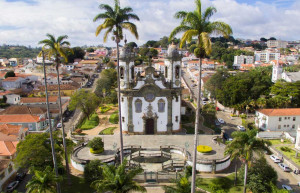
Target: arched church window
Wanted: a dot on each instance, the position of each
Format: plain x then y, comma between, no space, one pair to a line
121,72
177,68
138,106
166,72
161,106
132,72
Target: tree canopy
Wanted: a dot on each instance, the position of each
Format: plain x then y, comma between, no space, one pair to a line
10,74
85,100
78,52
106,85
35,151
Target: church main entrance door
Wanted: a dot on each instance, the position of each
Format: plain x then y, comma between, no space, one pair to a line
149,126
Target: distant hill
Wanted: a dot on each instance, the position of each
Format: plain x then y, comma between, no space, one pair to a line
8,51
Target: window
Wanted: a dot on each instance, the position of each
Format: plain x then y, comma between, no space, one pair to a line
176,118
294,118
166,72
161,106
285,118
279,126
138,106
293,126
176,98
279,118
122,99
123,119
132,72
289,118
150,97
288,125
177,70
284,125
122,72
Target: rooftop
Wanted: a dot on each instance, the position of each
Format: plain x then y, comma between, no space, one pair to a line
8,148
22,109
26,118
51,99
281,112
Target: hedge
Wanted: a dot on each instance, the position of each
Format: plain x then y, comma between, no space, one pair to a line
114,118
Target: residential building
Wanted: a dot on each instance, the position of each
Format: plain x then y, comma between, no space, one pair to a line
278,73
33,122
278,119
22,110
242,59
11,83
266,55
12,99
38,100
65,90
277,44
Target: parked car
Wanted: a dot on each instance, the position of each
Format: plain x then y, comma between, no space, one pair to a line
12,186
58,125
275,159
20,176
227,137
241,128
284,167
221,120
286,187
217,122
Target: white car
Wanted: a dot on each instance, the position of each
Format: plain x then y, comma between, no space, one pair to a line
58,125
221,120
286,187
241,128
284,167
275,159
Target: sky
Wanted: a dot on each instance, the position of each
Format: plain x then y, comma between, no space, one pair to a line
26,22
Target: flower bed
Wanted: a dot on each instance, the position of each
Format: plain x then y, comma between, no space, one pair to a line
204,148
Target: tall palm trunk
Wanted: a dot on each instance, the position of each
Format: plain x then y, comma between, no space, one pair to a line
62,125
245,177
197,127
50,126
119,102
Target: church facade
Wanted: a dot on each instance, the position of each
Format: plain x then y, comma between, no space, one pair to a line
150,101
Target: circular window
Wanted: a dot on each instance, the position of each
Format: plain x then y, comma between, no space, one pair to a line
150,97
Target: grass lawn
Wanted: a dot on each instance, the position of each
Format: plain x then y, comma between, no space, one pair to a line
90,124
228,182
78,186
290,154
278,141
108,131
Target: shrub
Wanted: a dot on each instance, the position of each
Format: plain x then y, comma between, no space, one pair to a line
204,148
104,109
93,171
243,116
114,118
91,123
96,145
286,149
107,131
220,185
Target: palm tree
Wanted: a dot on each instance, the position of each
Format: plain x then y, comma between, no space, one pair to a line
118,179
182,184
243,146
58,48
196,24
115,20
43,181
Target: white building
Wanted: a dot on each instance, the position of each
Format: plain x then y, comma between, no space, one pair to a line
150,102
266,56
277,44
13,99
278,73
278,119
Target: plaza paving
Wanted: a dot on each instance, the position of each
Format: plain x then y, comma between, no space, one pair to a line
111,143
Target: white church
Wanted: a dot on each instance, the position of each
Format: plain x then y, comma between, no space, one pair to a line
150,101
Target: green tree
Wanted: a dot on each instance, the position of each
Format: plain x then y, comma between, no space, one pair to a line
90,49
132,45
197,24
10,74
118,179
192,48
78,53
93,171
106,83
35,152
86,101
153,52
111,65
263,39
43,181
115,20
106,60
182,184
243,146
260,177
58,48
96,144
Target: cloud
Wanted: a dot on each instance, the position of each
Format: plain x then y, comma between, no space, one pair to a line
27,22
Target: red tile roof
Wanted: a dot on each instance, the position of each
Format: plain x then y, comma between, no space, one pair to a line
26,118
281,112
10,132
52,99
8,148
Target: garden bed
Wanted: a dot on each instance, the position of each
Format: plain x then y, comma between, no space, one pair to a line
91,123
107,131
